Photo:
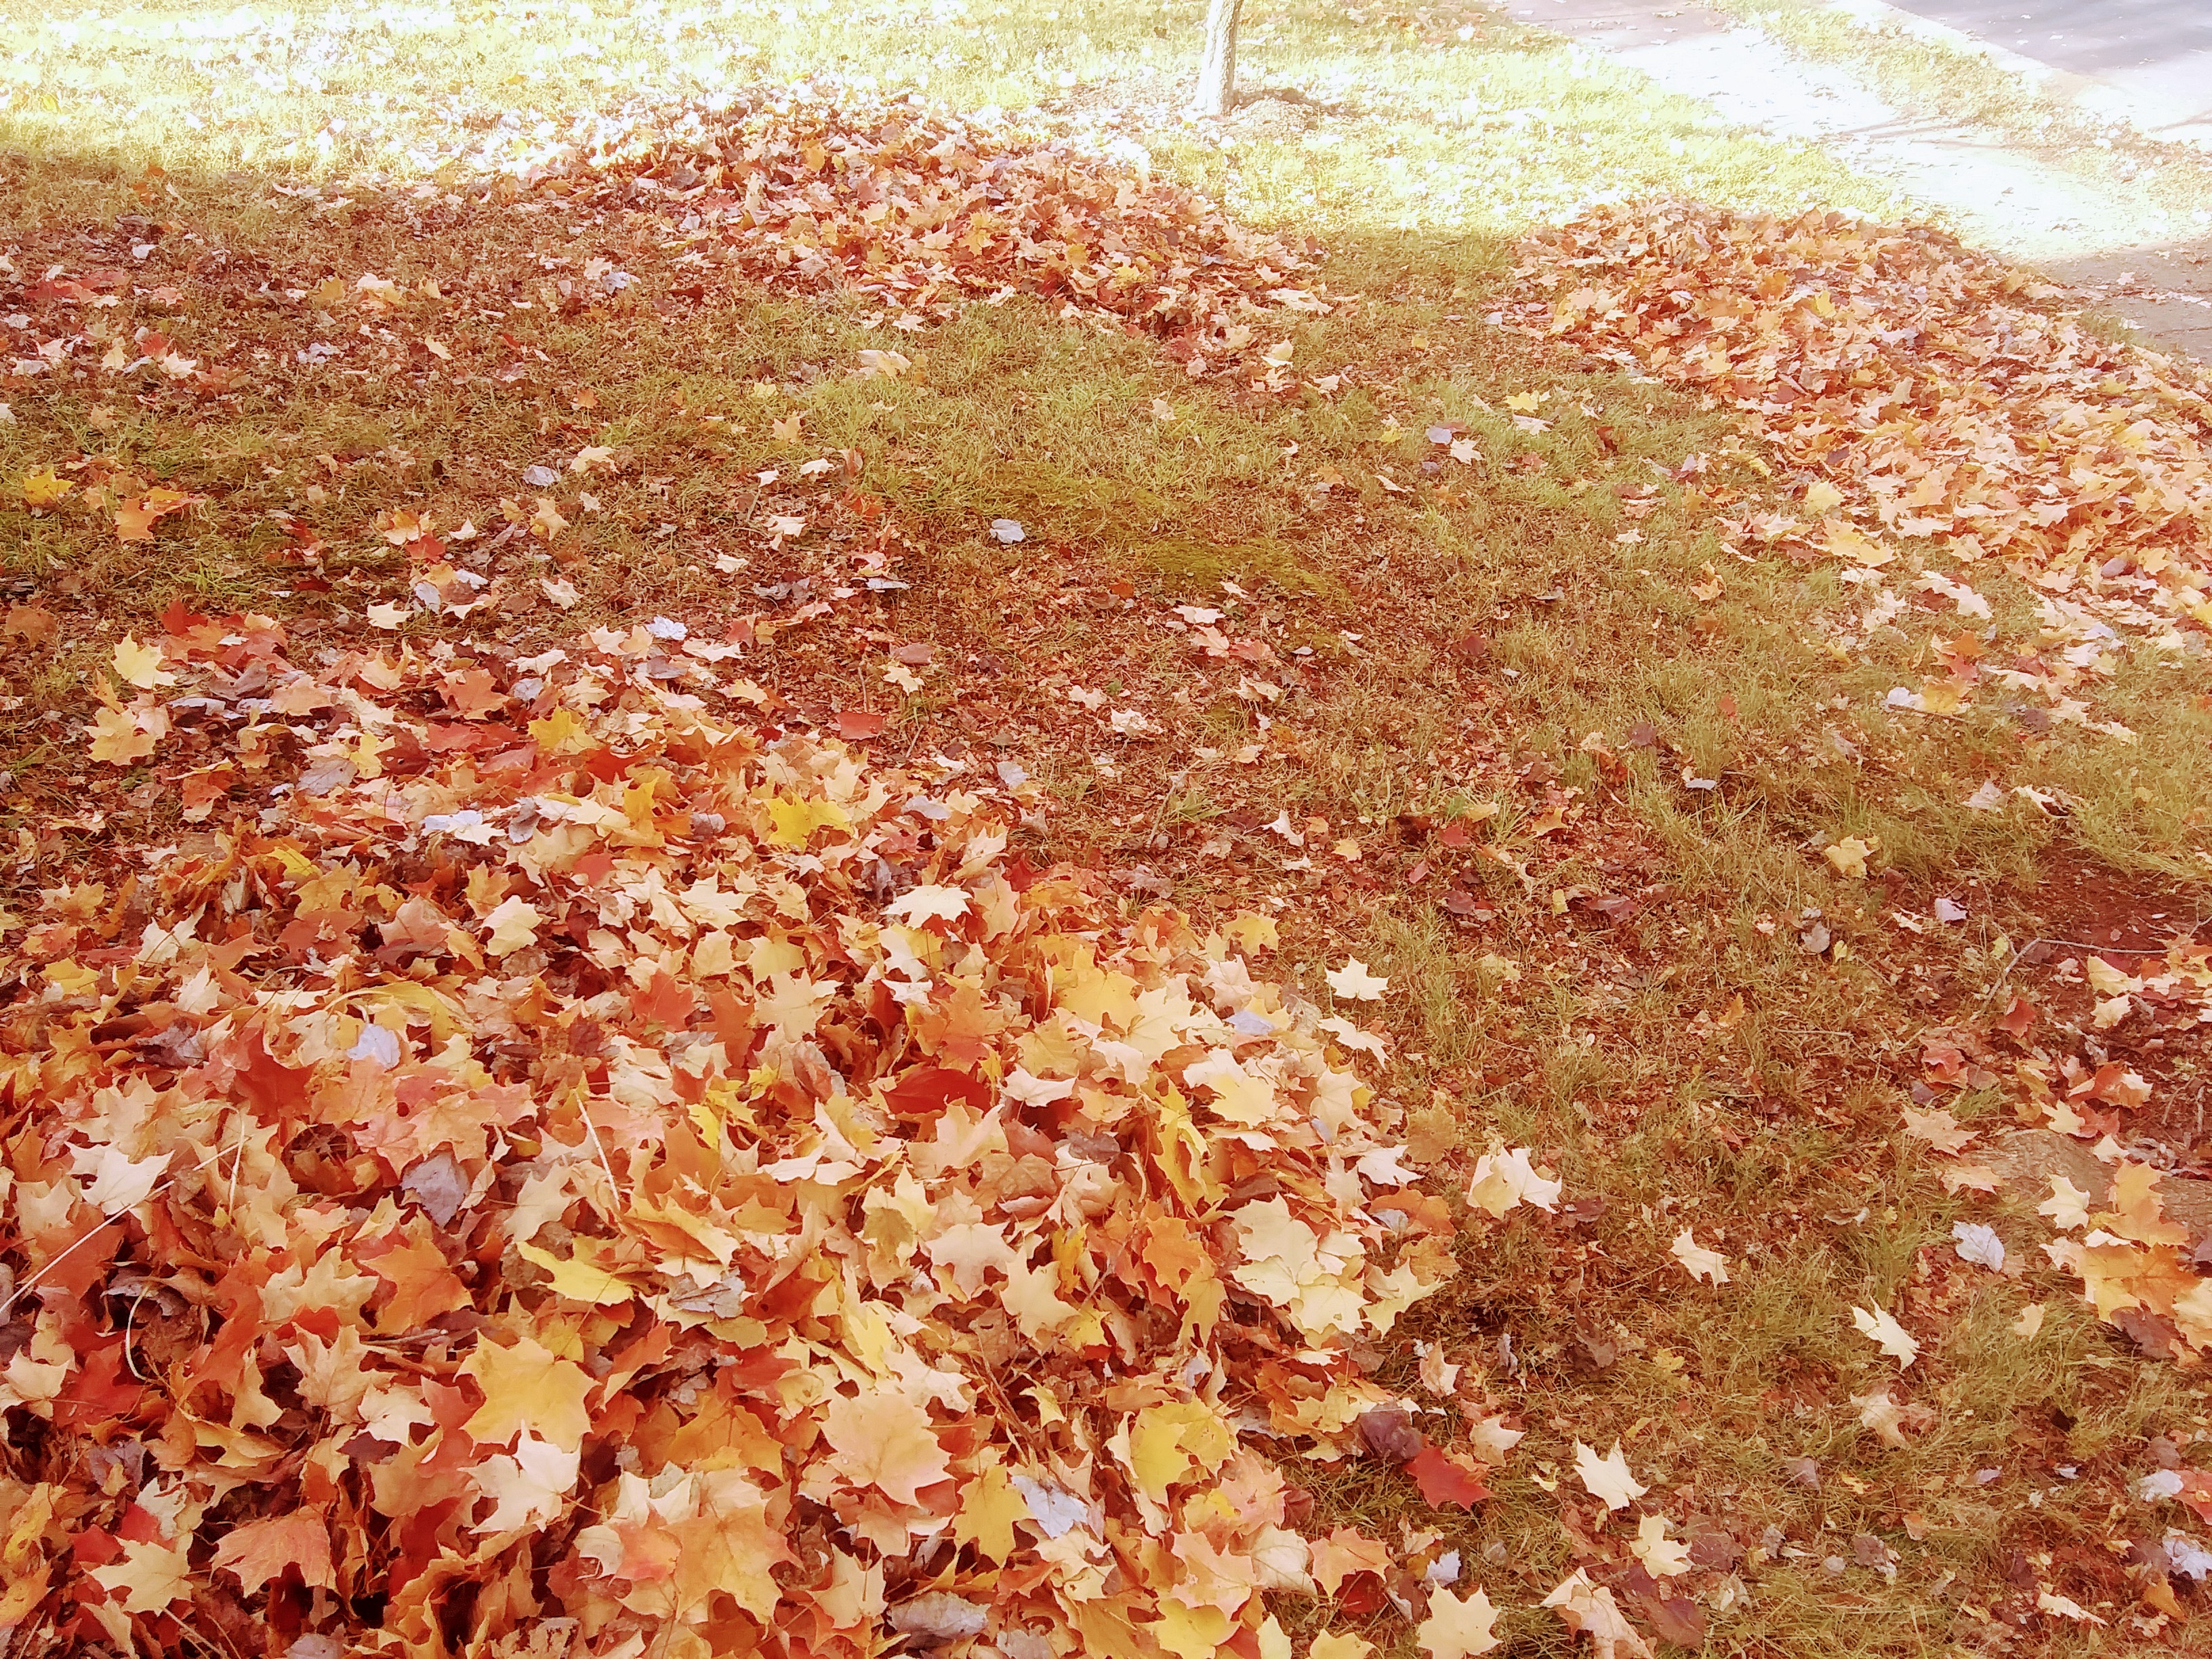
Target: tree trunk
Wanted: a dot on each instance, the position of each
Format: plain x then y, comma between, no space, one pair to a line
1217,69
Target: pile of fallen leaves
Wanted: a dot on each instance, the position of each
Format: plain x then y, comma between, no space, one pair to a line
544,1150
926,210
1928,392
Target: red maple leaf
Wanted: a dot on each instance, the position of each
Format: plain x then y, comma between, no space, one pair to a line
1447,1478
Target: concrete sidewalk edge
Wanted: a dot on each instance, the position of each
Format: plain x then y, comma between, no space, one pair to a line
2176,107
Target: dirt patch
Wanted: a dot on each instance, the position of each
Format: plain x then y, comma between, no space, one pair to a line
2081,933
2080,904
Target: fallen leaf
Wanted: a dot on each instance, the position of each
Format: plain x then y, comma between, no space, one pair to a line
1353,981
1883,1330
257,1552
1608,1477
1661,1559
1591,1608
1697,1261
1457,1626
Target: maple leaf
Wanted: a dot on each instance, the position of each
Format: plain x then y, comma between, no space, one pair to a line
1504,1179
1169,1444
578,1279
1457,1627
1591,1608
1888,1417
1661,1559
969,1248
1697,1261
423,1280
1354,983
135,517
1335,1644
1237,1095
2048,1601
120,1183
140,666
923,905
1608,1477
43,489
1938,1129
880,1439
527,1387
150,1575
2068,1206
528,1489
513,925
990,1504
122,737
793,820
1445,1478
1891,1338
1849,856
1344,1553
257,1552
1032,1297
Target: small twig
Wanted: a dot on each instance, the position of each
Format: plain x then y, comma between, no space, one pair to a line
614,1186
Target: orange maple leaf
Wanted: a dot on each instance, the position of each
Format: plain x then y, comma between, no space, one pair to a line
259,1551
883,1439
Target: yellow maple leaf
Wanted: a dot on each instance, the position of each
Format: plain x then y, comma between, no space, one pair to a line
141,665
1849,856
989,1506
1168,1443
559,732
578,1279
2068,1206
1190,1632
43,489
2138,1210
793,819
151,1575
527,1386
1855,545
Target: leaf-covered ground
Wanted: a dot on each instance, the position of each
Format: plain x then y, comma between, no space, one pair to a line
790,874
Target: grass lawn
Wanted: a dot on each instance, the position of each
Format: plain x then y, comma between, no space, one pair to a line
1448,643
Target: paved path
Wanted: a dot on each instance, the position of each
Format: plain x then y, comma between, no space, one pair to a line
2148,61
2113,240
2088,37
